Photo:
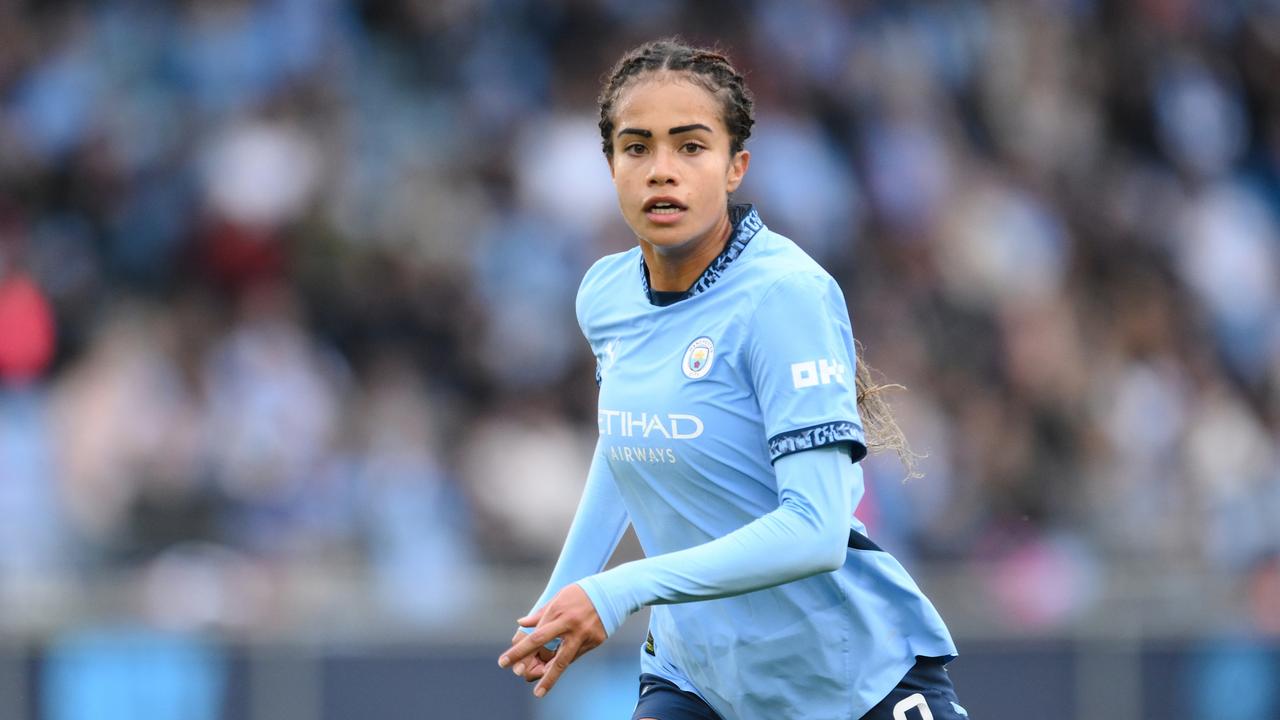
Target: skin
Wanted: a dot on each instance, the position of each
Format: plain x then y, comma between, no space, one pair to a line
693,166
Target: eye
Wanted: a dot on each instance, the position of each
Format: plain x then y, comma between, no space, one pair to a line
692,148
635,149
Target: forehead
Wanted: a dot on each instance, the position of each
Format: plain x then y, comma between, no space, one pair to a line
665,100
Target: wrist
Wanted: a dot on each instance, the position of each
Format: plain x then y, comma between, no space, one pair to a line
610,615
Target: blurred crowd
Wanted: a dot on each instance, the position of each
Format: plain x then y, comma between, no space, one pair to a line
286,287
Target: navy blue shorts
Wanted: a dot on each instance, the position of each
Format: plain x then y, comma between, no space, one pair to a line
925,693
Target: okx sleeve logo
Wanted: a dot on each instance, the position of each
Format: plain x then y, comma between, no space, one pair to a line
816,372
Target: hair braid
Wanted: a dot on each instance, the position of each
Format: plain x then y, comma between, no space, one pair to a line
708,68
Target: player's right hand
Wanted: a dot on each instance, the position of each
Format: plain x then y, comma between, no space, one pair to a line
533,667
569,616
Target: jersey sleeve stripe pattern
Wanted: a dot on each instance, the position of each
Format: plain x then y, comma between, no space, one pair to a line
816,436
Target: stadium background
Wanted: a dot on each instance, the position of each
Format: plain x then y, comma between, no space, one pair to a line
294,409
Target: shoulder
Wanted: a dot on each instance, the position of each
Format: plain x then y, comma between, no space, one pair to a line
784,273
603,280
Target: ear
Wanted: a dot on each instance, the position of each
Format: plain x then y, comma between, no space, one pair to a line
737,170
609,159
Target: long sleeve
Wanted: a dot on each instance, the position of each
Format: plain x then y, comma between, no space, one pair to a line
807,534
597,526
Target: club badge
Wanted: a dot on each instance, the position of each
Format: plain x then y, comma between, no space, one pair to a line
698,358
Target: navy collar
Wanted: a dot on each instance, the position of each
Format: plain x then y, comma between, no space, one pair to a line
746,223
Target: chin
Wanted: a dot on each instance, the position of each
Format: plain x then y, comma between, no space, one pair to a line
668,238
673,236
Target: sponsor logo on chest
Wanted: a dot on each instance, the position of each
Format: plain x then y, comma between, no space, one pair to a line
646,426
672,426
696,363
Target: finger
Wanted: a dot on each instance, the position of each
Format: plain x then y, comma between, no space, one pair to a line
534,669
553,670
567,653
538,666
520,635
532,618
530,643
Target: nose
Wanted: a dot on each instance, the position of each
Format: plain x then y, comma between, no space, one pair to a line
662,170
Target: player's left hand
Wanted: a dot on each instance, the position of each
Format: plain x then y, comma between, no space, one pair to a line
569,616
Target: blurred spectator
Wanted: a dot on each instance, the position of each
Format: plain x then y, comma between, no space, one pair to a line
274,395
525,469
123,418
423,558
26,329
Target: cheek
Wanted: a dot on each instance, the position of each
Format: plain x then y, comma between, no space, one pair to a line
724,180
621,180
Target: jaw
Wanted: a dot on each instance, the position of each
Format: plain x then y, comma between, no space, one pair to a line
685,238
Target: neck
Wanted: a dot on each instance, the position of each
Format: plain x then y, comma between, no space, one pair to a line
676,269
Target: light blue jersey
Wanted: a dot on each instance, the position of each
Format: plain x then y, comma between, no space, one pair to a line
702,402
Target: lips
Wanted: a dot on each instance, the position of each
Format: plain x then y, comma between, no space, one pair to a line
664,204
664,210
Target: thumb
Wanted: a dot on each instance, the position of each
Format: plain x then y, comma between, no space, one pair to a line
531,620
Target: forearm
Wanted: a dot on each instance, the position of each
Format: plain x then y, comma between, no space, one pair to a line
807,534
598,525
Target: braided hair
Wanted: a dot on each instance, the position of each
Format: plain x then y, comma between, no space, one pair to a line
708,68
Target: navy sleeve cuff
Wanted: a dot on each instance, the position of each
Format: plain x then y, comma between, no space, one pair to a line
815,436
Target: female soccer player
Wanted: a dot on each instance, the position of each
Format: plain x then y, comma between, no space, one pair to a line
729,438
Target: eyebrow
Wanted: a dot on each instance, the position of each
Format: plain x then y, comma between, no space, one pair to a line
673,131
687,128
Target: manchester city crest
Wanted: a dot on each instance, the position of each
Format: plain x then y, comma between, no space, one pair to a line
698,358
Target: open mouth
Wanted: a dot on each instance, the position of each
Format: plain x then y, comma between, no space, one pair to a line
663,207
